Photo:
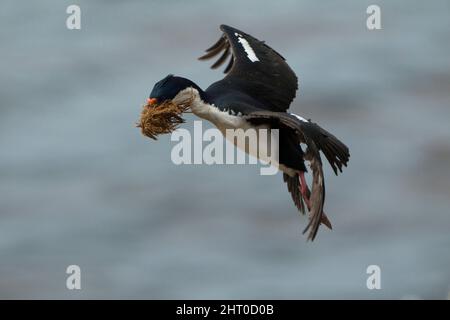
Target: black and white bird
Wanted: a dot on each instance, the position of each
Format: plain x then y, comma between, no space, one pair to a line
256,92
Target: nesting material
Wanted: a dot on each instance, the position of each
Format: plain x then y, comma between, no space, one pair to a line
163,118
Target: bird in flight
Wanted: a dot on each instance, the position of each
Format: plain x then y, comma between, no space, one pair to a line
256,93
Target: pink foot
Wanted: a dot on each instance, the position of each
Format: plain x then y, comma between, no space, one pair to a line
304,190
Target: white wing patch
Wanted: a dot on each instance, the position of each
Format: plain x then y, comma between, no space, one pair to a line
299,118
248,49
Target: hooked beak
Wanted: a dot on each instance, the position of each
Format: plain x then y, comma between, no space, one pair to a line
152,101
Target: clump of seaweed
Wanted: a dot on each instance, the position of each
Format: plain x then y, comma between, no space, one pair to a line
162,118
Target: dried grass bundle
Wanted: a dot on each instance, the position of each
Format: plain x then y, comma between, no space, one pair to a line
163,118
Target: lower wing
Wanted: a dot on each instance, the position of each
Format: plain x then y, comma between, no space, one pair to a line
316,139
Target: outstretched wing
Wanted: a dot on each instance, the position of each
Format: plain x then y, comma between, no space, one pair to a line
254,68
316,139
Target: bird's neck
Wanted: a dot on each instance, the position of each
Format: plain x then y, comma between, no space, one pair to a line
201,94
197,99
192,92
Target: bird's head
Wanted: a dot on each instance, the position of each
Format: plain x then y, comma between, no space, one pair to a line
169,98
169,88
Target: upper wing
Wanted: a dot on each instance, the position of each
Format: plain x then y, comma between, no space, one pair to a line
254,68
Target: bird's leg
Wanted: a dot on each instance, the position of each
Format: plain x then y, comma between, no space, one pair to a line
304,189
306,193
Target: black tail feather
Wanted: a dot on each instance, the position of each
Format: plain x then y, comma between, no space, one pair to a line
334,150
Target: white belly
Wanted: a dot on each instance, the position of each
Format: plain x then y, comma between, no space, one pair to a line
264,150
267,140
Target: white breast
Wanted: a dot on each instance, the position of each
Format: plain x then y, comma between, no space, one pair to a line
221,119
224,120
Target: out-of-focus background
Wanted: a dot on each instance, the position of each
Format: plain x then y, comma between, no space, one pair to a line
80,185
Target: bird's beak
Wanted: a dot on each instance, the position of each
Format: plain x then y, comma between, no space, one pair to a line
152,102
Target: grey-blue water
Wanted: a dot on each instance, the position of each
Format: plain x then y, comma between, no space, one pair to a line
80,185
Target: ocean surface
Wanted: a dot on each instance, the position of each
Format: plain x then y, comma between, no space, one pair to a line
80,185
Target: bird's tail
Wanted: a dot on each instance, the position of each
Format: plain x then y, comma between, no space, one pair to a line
335,151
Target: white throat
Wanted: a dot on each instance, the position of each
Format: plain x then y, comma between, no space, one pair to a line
221,119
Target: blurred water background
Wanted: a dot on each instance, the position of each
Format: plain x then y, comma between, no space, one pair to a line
80,185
